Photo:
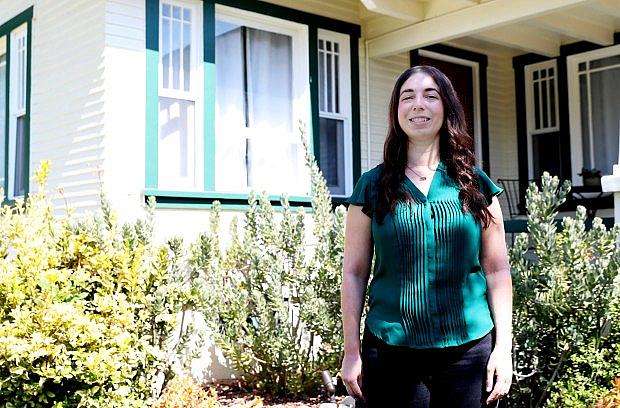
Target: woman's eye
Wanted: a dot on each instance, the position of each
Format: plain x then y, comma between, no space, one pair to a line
431,96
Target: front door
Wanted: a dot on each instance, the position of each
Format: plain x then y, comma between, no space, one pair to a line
464,77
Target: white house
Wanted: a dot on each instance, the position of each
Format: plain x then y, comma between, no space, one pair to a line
192,101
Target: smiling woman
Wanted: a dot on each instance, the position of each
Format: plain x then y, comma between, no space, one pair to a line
440,297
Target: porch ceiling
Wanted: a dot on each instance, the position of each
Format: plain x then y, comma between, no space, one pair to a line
394,26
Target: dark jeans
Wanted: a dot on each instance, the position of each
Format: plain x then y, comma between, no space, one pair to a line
403,377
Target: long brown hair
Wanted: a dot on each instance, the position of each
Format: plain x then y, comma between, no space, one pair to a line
455,150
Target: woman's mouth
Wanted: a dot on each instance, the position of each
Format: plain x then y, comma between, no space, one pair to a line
419,119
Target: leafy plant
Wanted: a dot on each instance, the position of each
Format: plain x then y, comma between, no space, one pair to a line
566,289
274,300
184,392
88,308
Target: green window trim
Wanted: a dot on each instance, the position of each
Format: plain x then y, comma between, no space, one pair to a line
312,21
233,201
5,31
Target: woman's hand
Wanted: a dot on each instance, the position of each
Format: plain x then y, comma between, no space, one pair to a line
499,369
352,374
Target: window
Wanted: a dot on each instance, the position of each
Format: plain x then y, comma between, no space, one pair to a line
179,146
594,100
335,111
14,110
233,83
261,94
541,95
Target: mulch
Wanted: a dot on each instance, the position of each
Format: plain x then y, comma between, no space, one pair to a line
234,396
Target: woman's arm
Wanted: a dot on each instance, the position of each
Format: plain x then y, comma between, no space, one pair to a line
494,262
357,259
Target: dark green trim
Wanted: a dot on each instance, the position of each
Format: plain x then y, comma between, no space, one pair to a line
482,61
152,93
313,69
208,26
519,64
295,15
208,40
193,198
5,30
26,179
355,107
13,23
7,122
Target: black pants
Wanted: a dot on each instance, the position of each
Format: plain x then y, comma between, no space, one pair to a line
403,377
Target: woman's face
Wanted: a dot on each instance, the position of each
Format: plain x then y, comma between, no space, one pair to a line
420,108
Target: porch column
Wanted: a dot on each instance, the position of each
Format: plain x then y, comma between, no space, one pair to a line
611,183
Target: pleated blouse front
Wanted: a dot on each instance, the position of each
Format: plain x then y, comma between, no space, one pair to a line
428,289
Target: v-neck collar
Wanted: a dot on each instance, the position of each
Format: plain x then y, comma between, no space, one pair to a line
416,191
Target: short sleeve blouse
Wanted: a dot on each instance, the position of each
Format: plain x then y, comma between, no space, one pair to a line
428,289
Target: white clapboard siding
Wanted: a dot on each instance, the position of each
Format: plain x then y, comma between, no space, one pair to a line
383,74
66,95
125,99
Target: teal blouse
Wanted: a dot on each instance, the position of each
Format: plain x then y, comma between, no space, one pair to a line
428,289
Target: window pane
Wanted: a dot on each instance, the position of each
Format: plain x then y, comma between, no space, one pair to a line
585,121
2,116
552,96
176,54
176,148
165,52
605,62
19,187
322,86
329,79
331,155
545,118
269,80
536,106
605,110
336,85
187,30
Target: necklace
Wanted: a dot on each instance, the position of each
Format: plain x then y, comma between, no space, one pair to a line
420,176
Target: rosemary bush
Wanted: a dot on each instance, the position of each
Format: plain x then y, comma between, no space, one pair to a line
566,306
273,300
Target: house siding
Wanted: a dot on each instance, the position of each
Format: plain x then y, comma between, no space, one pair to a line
125,68
66,96
383,74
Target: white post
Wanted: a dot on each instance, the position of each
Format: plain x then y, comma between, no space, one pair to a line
612,183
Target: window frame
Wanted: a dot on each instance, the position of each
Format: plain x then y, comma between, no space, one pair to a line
344,90
20,23
300,84
528,71
208,193
193,181
574,100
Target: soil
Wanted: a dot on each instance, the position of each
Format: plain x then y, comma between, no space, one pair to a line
233,396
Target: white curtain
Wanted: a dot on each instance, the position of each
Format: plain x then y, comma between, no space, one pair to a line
605,94
254,111
599,91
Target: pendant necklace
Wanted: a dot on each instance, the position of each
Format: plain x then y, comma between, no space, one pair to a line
421,177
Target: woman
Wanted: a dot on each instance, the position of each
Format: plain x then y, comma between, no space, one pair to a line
440,301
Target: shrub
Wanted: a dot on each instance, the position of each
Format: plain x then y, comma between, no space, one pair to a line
88,309
184,392
274,307
612,399
566,289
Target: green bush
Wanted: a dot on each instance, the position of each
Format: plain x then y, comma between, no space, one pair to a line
566,290
88,309
273,301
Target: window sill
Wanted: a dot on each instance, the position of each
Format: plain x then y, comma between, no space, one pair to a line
205,199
